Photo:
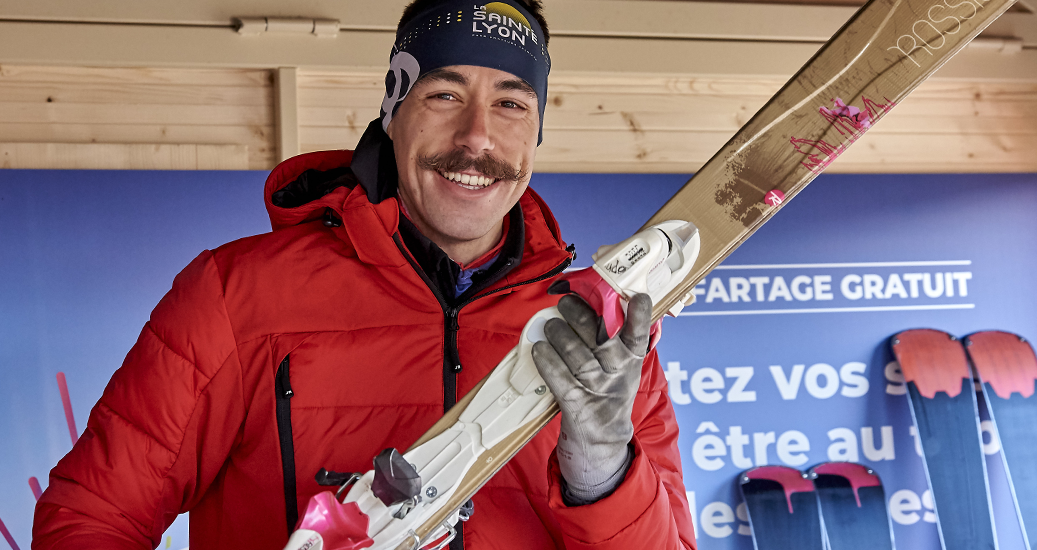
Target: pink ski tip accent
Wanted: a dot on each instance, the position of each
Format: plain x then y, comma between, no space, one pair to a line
600,295
342,526
7,535
66,401
857,474
791,480
34,484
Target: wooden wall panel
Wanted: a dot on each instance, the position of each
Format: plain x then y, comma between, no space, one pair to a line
595,123
631,123
165,107
116,156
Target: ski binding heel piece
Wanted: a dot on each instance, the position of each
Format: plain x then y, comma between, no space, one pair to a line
408,512
652,262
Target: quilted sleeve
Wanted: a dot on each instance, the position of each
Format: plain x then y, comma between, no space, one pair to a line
161,431
650,508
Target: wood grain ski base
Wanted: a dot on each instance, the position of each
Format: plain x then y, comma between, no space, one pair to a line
882,53
870,65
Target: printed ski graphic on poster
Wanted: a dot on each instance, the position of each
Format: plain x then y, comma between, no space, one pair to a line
783,510
943,404
853,507
1006,367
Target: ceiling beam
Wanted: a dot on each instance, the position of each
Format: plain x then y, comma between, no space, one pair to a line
600,36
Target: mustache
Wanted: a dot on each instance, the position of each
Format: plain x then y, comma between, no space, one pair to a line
459,161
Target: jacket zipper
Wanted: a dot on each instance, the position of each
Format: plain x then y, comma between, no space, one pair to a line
283,394
453,367
451,356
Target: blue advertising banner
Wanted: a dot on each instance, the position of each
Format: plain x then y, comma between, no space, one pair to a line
783,359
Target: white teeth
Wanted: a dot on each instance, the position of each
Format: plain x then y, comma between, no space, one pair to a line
467,180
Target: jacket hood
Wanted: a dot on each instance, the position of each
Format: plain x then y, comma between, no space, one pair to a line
302,188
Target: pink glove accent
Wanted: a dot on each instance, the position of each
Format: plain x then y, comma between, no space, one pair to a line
343,526
600,295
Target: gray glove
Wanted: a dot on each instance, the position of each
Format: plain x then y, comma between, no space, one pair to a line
594,379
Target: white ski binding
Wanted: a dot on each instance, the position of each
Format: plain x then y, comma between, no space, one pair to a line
388,506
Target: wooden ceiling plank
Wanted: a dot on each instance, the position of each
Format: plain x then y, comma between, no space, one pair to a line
92,92
87,113
139,133
127,45
194,76
361,13
109,156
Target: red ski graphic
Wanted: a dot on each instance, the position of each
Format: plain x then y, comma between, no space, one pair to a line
66,402
1003,363
792,481
917,349
858,475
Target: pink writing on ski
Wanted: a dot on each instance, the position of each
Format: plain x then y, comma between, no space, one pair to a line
851,123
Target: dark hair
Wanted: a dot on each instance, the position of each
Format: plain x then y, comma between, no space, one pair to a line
534,7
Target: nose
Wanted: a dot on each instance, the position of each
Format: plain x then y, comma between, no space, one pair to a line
473,132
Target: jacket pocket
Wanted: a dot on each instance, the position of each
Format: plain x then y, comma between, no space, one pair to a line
283,395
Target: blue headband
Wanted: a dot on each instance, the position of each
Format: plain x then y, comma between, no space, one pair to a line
498,35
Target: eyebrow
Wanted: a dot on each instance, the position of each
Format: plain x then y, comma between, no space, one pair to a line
516,84
447,75
444,75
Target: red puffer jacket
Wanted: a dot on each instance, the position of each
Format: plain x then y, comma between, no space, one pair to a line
198,419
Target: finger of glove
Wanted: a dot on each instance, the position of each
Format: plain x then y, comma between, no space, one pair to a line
581,317
553,370
614,356
637,328
572,349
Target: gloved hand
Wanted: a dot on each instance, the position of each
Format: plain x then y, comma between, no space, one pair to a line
594,379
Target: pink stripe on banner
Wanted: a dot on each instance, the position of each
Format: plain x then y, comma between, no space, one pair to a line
34,484
67,402
7,535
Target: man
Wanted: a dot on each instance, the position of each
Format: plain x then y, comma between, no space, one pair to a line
395,278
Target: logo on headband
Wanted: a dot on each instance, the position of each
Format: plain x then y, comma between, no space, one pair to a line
403,72
500,19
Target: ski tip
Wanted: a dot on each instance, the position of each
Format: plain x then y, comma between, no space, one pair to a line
933,360
790,479
1003,360
857,475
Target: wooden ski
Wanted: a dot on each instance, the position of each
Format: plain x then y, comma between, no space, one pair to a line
879,56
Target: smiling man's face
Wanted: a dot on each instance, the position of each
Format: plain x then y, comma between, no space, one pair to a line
465,139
